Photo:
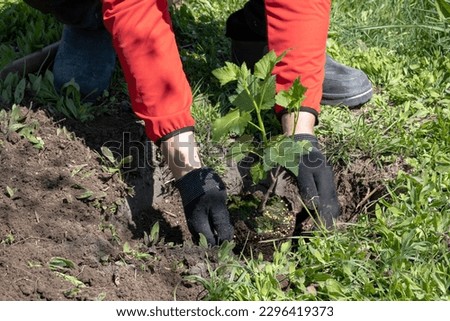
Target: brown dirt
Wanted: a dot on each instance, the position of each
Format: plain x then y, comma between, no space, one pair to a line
47,217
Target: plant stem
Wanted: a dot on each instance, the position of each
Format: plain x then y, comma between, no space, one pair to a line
274,179
261,127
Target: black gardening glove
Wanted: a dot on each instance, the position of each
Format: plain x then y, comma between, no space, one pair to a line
316,184
204,200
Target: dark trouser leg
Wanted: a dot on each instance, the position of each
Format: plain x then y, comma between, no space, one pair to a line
248,32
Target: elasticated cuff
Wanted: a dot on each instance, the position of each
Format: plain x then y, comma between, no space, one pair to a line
280,111
174,133
159,129
196,183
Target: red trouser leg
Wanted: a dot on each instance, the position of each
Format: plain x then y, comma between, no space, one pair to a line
300,26
145,44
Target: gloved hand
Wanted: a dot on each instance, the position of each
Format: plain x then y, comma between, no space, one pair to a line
316,184
204,200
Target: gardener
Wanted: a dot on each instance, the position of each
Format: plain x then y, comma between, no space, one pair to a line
143,40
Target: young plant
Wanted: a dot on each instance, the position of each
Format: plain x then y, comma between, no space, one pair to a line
12,89
10,192
69,102
255,96
15,121
113,165
136,254
61,267
152,238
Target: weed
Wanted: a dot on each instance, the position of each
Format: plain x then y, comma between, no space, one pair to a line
10,192
64,131
24,30
61,267
60,264
12,89
152,238
136,254
113,165
112,229
8,240
85,194
15,121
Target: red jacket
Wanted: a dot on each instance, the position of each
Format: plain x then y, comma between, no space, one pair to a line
159,91
160,94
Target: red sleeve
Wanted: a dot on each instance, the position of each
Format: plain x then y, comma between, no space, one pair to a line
302,27
145,44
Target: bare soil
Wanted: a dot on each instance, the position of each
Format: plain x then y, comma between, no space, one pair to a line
104,232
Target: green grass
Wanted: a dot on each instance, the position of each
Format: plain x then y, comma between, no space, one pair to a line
24,30
401,250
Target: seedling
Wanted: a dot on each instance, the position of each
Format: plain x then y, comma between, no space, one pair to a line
9,239
12,88
85,194
153,237
135,253
15,121
112,164
254,98
64,131
10,192
69,102
112,229
60,264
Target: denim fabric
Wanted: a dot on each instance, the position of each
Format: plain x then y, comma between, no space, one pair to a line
87,56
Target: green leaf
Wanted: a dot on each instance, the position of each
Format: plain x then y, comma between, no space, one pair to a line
10,191
36,82
17,127
85,195
258,173
266,96
334,288
316,254
264,67
203,242
243,101
19,92
126,160
293,97
226,74
108,154
235,122
239,150
59,263
285,152
16,114
71,279
285,247
443,8
126,248
154,233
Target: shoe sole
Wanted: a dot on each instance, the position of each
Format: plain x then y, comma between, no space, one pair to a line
352,102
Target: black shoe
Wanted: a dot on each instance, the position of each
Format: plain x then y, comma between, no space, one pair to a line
342,85
345,85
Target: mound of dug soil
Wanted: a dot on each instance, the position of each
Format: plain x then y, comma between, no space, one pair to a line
66,231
